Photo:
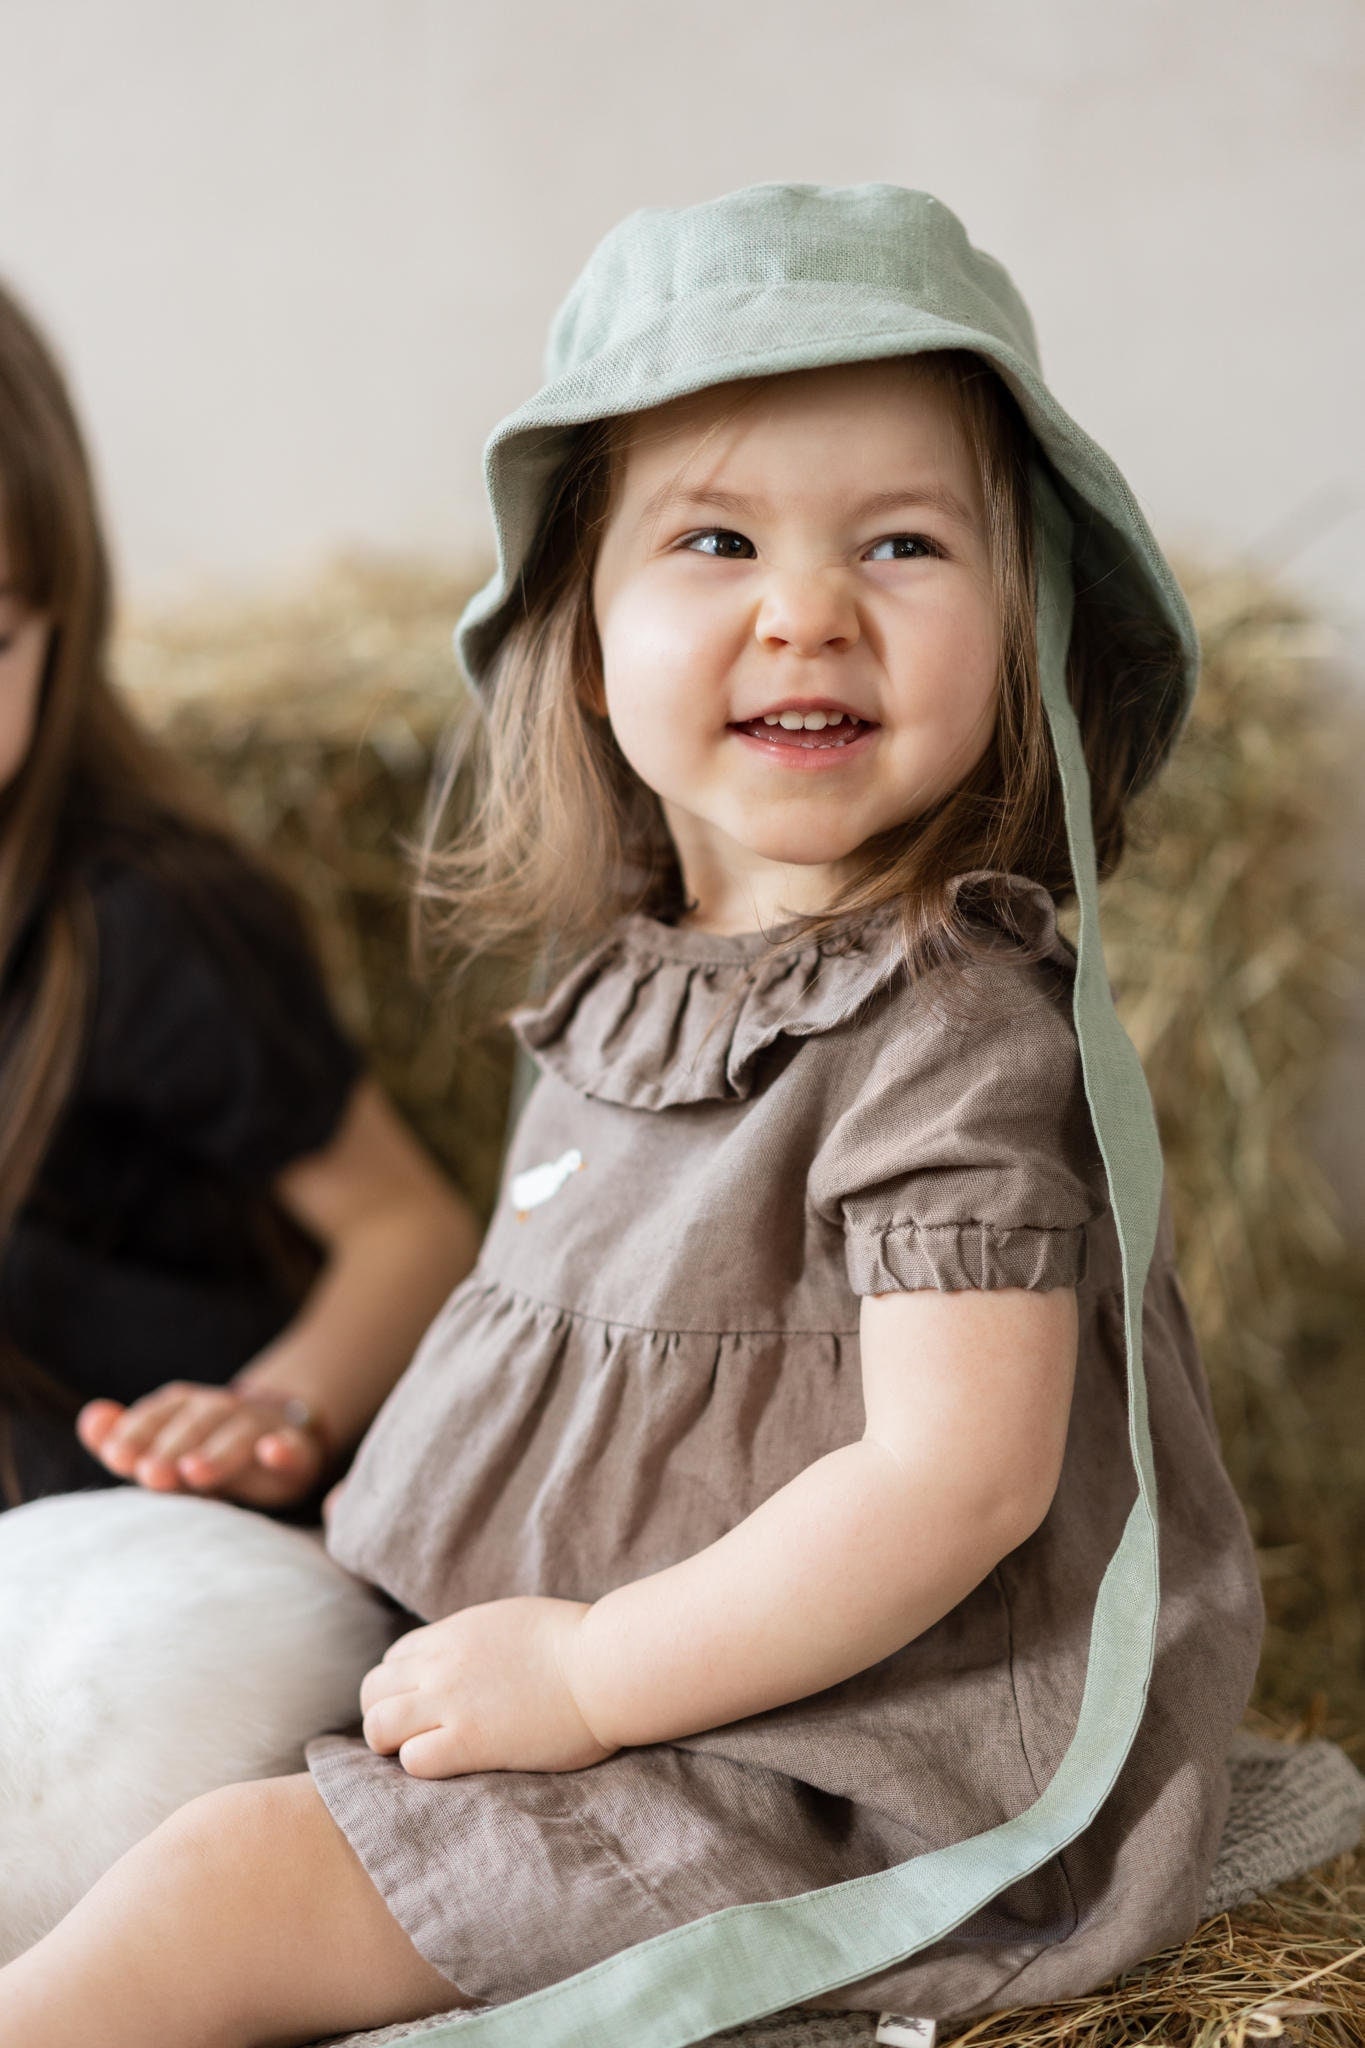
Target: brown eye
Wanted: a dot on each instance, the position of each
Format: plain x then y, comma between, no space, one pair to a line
718,540
904,547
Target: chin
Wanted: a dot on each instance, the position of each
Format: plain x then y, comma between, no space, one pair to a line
797,849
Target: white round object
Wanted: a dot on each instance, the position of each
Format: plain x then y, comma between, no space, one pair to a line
152,1648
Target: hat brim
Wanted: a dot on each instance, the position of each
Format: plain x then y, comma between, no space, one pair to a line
661,360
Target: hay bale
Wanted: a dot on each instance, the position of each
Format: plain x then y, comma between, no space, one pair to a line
315,717
1288,1968
1233,947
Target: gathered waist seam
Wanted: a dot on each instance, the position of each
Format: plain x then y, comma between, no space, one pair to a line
580,1315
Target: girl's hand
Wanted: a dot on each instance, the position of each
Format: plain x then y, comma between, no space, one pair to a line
483,1690
195,1439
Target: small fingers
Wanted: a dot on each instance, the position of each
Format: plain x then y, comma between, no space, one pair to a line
197,1437
222,1454
287,1449
137,1427
192,1424
95,1421
385,1681
200,1412
436,1753
391,1722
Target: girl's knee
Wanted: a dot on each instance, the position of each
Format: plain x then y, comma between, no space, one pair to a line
252,1859
237,1832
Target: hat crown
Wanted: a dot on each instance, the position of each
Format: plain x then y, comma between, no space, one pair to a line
880,240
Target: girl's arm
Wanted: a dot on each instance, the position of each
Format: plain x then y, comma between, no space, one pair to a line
397,1238
967,1399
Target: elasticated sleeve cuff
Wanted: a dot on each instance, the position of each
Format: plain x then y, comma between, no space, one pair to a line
952,1256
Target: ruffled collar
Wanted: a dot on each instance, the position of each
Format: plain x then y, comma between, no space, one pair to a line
656,1015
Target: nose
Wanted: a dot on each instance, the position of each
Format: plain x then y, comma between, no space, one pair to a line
808,612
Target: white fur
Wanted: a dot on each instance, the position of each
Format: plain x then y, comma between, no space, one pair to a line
154,1647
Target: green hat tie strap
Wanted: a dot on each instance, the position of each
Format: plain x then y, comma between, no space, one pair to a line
745,1961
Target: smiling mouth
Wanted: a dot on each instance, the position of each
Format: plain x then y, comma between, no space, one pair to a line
834,730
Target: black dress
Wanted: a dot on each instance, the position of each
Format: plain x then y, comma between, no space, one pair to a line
151,1247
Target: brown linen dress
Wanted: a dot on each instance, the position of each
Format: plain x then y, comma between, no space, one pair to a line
736,1145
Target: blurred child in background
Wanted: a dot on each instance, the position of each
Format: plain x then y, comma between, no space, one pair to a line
218,1243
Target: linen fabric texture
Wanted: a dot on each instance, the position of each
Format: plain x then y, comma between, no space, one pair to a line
641,1359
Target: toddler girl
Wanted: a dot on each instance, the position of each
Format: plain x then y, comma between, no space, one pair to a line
184,1132
766,1492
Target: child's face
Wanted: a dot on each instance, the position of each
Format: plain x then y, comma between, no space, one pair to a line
23,654
824,553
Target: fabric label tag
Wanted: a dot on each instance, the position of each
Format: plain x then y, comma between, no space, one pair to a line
897,2030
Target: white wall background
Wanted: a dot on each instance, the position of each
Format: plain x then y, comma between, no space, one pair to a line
300,254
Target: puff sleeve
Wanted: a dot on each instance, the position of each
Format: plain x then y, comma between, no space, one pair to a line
966,1156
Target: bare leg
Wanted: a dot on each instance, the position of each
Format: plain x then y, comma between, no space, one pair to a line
246,1921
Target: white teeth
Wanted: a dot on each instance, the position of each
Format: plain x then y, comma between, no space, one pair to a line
795,721
807,721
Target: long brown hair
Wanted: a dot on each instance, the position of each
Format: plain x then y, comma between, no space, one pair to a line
93,784
560,836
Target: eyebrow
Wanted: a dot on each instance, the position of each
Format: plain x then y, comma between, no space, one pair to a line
933,497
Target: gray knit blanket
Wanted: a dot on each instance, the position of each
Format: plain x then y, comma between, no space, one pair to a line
1293,1807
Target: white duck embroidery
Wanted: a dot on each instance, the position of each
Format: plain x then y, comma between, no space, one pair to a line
538,1183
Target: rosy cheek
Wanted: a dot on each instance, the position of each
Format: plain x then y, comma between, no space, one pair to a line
970,655
652,615
661,658
649,730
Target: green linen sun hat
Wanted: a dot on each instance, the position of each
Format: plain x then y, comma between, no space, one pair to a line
789,277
